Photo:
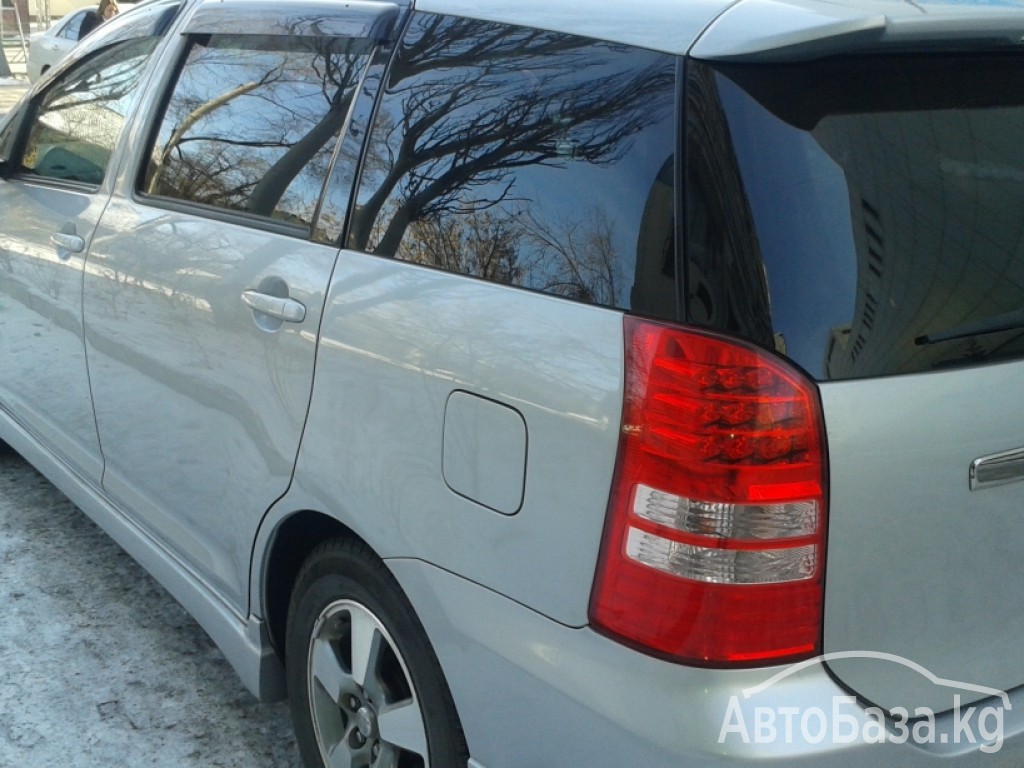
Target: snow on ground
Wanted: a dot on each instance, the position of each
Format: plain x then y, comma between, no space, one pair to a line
99,666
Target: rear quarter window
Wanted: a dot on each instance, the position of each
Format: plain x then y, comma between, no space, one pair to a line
529,158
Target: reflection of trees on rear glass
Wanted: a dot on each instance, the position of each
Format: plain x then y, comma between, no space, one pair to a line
253,122
517,155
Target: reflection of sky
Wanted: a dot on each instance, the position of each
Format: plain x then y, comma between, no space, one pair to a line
257,127
801,210
620,191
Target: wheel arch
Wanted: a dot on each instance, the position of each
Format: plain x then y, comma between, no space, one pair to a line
291,542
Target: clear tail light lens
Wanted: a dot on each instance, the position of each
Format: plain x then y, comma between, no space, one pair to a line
715,540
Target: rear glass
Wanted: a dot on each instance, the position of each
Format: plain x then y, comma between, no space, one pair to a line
862,217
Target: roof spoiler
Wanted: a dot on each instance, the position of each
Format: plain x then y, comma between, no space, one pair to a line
795,30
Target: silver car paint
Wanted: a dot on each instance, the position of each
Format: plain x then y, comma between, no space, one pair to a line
765,30
45,385
396,342
919,565
171,342
376,336
661,25
574,692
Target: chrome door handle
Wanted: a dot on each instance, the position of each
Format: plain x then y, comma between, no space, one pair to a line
67,242
997,469
289,310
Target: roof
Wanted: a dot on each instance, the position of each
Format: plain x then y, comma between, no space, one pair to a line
760,30
662,25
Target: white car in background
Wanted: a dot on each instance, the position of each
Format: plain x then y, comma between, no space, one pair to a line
47,48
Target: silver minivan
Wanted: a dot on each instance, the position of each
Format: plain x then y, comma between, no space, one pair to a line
516,385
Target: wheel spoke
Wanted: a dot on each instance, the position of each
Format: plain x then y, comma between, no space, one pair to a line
367,642
402,725
340,756
327,670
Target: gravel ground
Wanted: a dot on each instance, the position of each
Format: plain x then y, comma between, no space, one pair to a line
99,666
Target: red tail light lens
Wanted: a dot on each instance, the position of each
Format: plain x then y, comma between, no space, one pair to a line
715,540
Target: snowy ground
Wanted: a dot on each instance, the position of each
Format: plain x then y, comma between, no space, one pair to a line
99,666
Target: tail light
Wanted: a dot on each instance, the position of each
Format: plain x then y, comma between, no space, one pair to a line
715,540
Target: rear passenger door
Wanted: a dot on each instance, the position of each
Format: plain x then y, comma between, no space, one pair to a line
208,273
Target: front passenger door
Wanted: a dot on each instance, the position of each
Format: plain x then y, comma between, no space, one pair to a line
51,202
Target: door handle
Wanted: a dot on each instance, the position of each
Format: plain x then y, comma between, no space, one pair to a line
67,244
997,469
288,310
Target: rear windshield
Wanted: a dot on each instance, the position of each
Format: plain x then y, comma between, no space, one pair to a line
862,217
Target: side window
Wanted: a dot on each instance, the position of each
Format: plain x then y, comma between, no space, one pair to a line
73,28
79,119
252,123
530,158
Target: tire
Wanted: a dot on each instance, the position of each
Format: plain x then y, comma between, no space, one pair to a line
364,685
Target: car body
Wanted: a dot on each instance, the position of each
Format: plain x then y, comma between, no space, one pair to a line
535,383
48,47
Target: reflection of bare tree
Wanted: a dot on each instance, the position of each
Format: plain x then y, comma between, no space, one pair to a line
472,101
160,158
481,244
244,147
83,116
580,257
575,258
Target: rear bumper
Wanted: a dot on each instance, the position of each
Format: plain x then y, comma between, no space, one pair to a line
533,693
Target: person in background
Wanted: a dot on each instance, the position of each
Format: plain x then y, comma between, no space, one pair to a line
107,10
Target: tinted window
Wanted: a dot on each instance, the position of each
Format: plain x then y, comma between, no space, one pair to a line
530,158
80,118
865,217
252,123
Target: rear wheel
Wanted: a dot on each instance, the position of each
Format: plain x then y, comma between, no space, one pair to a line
365,687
